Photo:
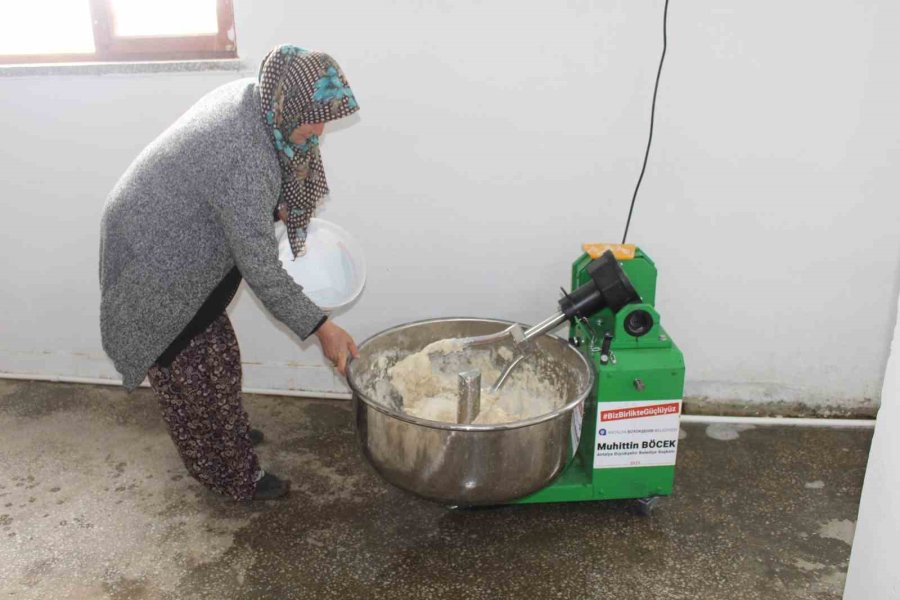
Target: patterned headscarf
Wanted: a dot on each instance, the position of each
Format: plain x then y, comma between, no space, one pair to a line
301,87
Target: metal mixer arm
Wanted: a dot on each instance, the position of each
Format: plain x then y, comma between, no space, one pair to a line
608,287
545,326
519,336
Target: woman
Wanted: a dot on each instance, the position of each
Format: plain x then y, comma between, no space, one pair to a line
191,217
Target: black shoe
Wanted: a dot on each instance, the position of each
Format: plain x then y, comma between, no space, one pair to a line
271,487
256,437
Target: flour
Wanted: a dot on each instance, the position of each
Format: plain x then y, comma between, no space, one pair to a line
445,346
427,383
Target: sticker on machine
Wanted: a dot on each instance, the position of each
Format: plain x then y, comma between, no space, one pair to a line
637,434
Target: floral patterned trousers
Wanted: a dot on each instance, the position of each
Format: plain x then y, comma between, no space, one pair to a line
200,397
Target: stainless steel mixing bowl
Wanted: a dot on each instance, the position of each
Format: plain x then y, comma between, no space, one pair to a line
467,464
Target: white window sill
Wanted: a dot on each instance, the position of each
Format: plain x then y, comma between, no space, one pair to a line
122,68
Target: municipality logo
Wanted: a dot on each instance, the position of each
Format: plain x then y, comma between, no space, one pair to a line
602,432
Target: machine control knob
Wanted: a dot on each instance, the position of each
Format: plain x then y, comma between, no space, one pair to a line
604,348
638,322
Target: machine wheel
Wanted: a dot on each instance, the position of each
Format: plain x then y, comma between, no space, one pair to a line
647,506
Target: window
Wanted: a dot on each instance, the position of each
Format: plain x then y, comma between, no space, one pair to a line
44,31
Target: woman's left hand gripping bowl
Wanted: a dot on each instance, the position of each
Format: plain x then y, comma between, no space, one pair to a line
337,345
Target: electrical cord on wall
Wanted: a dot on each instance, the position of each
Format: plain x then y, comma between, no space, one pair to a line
652,115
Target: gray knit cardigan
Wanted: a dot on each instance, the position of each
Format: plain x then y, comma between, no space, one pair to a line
196,202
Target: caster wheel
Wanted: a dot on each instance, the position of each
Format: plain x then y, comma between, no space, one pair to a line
647,506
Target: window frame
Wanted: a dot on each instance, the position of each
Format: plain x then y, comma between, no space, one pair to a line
109,47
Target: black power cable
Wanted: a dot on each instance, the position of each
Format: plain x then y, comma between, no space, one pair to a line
652,115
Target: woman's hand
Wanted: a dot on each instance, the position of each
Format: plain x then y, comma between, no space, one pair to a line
337,345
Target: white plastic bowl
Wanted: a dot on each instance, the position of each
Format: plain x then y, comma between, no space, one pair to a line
333,270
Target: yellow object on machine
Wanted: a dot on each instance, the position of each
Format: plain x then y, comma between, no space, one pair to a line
620,251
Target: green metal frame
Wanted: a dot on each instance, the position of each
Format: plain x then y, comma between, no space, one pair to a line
652,358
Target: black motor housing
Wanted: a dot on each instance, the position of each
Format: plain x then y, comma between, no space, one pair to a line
609,287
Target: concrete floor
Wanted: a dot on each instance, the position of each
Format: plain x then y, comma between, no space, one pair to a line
95,504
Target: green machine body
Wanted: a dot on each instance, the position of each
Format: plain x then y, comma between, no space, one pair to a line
630,422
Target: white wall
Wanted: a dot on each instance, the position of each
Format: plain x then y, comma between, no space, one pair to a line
496,137
873,572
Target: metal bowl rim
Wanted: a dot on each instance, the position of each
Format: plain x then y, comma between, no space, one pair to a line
462,426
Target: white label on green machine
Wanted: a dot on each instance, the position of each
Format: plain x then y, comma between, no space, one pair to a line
637,434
